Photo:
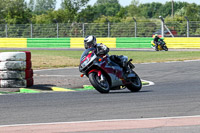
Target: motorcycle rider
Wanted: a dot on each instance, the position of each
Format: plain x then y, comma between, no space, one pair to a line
101,50
156,40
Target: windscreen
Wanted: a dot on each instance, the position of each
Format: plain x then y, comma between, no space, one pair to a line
86,52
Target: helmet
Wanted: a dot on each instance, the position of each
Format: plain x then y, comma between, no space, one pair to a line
156,35
89,41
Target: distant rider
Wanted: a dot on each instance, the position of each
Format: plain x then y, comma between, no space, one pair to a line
156,40
101,50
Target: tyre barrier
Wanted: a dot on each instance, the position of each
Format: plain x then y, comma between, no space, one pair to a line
15,56
16,69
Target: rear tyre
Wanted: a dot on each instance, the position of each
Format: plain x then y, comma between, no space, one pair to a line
136,83
99,83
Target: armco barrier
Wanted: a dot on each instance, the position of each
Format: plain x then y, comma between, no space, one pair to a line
123,42
133,42
79,42
48,42
182,42
13,42
76,42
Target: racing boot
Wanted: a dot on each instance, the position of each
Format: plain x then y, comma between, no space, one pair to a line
156,47
128,72
127,69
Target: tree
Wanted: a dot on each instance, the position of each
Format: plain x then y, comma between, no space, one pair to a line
14,12
192,12
107,7
31,5
133,9
123,12
42,6
87,15
106,2
73,7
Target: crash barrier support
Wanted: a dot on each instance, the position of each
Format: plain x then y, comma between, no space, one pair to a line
16,69
121,42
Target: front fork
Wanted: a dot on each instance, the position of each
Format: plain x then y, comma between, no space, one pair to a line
99,73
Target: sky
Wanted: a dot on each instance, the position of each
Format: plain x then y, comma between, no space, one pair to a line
128,2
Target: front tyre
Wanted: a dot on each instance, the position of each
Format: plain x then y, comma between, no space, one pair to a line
165,48
136,84
100,83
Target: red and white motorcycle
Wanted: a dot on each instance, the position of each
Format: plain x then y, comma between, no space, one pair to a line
106,75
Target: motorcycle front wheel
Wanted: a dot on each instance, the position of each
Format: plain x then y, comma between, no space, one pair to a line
165,48
100,83
136,84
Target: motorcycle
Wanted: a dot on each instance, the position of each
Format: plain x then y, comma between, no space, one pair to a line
161,45
105,75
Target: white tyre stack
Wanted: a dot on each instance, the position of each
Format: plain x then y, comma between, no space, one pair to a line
16,69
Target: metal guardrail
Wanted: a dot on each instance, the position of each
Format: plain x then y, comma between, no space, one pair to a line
132,29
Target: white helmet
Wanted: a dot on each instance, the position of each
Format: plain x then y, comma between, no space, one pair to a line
89,41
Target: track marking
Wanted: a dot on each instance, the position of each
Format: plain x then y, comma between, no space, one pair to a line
172,61
103,125
134,63
46,75
60,89
54,69
150,82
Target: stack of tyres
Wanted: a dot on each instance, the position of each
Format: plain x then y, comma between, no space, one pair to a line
16,69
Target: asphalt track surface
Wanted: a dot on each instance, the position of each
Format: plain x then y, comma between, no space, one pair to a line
174,95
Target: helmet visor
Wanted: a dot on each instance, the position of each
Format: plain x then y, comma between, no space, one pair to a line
88,44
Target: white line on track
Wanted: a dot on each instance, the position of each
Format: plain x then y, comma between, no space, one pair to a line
57,75
135,63
172,61
54,69
109,120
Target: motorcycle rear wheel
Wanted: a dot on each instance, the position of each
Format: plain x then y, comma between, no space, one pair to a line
136,84
98,84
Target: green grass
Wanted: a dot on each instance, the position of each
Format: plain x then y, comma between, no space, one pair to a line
62,58
162,56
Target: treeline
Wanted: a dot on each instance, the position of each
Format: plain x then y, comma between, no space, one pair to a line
43,11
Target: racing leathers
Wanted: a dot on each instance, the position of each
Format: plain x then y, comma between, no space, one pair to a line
155,40
120,60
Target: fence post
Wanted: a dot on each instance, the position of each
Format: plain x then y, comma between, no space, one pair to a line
31,30
108,27
57,27
57,30
6,28
135,27
83,28
162,25
188,28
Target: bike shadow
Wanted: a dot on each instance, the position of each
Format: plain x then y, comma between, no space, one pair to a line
129,92
42,87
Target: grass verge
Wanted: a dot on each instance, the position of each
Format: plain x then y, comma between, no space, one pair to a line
42,59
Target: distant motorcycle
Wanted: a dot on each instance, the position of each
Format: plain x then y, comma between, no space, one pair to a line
161,45
106,75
